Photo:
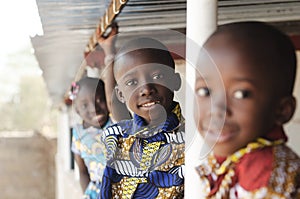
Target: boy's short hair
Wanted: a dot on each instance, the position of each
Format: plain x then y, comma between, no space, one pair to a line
149,46
266,47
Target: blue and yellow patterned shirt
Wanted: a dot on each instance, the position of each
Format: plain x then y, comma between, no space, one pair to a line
145,162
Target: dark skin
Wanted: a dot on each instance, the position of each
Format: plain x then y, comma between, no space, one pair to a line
83,172
116,108
236,97
92,109
146,84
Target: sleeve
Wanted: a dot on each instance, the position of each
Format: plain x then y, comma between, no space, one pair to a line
110,139
75,146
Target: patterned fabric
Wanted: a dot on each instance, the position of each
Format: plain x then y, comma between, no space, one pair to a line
272,171
87,144
145,162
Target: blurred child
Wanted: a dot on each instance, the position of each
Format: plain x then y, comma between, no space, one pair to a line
90,104
146,153
244,92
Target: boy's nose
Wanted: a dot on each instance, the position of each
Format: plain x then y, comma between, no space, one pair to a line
219,105
146,89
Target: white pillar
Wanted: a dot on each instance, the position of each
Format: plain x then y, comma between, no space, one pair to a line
63,155
201,22
63,138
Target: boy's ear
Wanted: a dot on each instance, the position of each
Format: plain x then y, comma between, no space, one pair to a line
286,109
176,83
119,94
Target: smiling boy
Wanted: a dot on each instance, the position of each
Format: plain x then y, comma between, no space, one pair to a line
244,92
146,154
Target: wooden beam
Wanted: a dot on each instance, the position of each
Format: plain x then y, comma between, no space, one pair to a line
106,20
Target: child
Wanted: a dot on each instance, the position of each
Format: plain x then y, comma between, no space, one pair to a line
90,104
145,154
244,96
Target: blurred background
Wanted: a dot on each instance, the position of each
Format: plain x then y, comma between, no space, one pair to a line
28,121
42,48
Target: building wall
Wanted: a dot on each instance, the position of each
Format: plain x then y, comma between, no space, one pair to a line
27,167
293,127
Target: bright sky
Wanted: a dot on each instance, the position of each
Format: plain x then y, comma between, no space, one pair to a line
19,19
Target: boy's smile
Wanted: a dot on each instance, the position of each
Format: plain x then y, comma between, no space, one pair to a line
220,133
149,104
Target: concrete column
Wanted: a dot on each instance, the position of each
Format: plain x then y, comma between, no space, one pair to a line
63,155
63,138
201,22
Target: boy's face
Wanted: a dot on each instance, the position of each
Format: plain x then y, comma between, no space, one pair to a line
91,106
146,86
235,99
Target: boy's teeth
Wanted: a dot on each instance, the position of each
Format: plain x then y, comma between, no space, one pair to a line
149,104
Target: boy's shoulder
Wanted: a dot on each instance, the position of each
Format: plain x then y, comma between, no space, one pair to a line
271,166
119,128
286,166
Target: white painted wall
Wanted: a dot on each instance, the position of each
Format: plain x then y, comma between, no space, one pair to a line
293,127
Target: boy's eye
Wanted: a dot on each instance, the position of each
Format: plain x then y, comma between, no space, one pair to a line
157,76
131,82
241,94
84,106
203,92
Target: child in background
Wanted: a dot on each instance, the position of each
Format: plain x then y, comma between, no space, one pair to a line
145,154
90,104
244,92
